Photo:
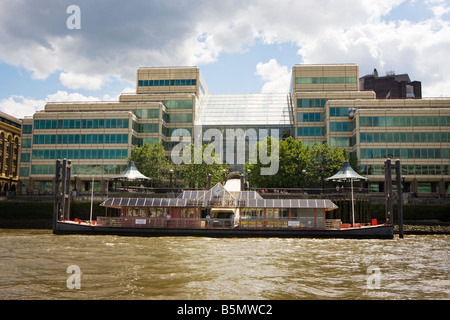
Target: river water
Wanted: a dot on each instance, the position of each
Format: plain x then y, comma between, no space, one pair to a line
35,264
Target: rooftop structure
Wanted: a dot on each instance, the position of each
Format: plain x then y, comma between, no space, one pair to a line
391,86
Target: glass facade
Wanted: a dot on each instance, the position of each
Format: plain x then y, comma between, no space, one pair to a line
310,131
417,137
325,80
167,83
80,124
245,110
342,126
405,121
405,153
309,117
79,138
178,104
311,103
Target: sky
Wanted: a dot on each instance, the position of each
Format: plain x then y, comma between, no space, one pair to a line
50,52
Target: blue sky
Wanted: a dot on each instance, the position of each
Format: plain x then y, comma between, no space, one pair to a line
240,46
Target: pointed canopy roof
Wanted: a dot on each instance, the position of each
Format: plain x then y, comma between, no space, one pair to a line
346,173
131,173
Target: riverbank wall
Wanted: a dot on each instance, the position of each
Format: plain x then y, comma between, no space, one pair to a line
39,214
23,214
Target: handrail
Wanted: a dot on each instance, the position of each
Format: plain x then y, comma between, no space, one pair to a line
215,223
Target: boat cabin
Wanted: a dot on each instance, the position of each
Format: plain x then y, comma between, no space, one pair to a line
221,206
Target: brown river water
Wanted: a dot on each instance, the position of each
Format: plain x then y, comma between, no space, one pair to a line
35,264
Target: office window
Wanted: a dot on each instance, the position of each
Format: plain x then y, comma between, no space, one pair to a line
25,157
325,80
180,117
340,142
341,126
309,131
27,129
167,82
147,113
178,104
26,143
311,103
309,117
339,111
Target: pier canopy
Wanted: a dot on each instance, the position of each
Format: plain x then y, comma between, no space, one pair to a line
346,174
131,173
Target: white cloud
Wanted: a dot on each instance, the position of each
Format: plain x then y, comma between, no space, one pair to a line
62,96
20,107
277,77
117,37
81,81
419,49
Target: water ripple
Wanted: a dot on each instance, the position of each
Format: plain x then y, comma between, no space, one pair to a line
33,265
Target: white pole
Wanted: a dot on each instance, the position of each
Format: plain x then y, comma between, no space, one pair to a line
353,204
92,200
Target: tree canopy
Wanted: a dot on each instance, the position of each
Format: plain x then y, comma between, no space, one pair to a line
299,165
152,162
196,172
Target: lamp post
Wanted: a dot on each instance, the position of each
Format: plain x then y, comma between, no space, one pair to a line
224,175
303,179
171,174
248,178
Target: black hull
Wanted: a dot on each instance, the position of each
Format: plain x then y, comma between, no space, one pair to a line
377,232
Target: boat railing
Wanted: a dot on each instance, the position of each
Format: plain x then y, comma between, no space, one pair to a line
197,223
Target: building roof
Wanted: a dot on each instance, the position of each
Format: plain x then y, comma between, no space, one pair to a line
252,203
8,119
260,109
219,197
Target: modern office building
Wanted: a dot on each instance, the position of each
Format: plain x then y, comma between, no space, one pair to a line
10,129
323,105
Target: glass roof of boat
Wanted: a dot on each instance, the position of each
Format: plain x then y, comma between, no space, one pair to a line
248,203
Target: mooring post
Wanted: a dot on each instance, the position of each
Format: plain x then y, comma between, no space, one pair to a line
56,204
63,188
388,191
398,170
67,191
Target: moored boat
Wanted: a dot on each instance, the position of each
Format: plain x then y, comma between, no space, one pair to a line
222,211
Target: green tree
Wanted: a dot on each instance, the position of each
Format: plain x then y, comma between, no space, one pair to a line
196,172
255,165
292,157
299,164
152,162
324,162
